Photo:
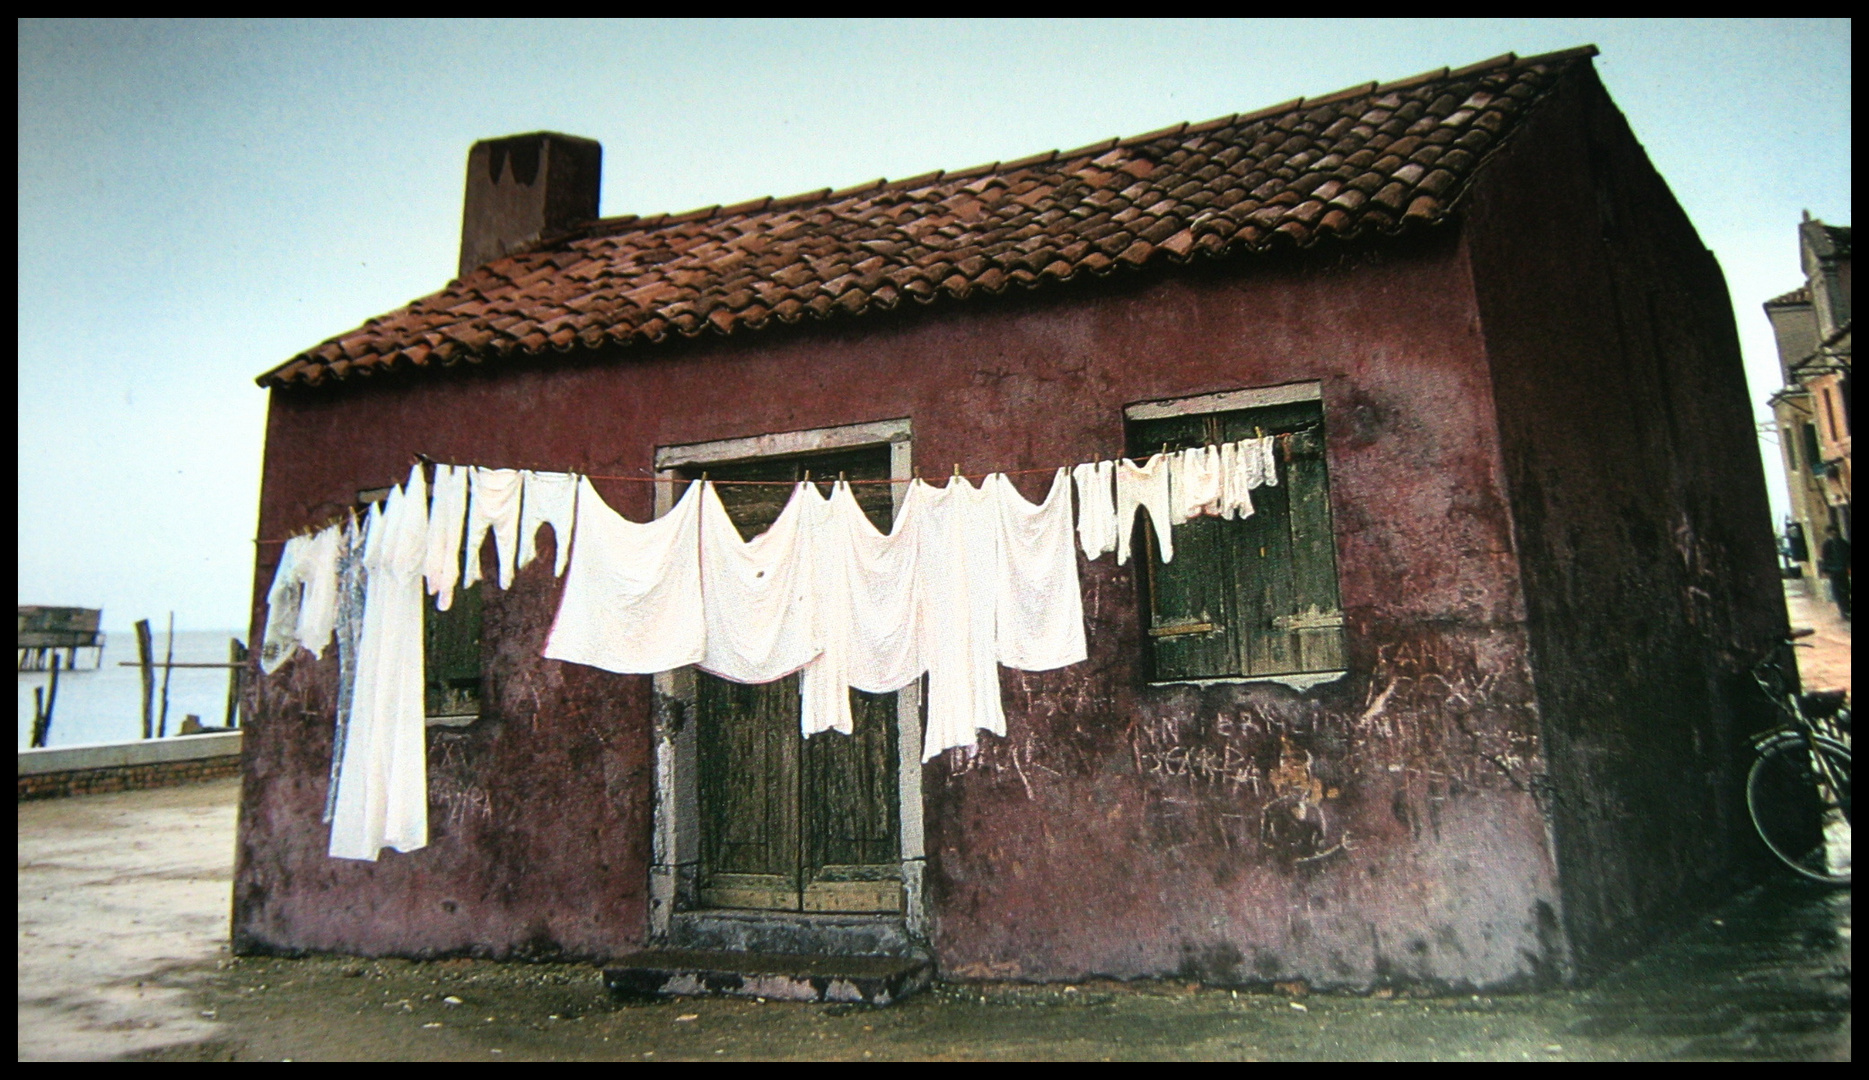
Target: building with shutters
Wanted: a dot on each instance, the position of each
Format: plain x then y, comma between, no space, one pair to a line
1462,705
1811,325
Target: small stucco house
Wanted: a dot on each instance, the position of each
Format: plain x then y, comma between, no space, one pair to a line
1463,705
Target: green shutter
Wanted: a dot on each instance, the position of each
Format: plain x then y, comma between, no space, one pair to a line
1256,596
451,656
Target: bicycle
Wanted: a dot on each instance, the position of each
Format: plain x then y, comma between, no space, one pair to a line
1798,790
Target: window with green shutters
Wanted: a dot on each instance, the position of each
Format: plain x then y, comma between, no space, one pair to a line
451,659
1253,597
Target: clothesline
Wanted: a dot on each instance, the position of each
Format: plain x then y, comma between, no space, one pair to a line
957,475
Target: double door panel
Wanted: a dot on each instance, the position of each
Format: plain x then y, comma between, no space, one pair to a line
789,823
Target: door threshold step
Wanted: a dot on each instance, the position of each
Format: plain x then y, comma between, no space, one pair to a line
868,980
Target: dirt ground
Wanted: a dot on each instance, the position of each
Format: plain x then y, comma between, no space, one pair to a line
123,903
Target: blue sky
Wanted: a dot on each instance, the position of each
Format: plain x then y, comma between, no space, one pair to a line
199,201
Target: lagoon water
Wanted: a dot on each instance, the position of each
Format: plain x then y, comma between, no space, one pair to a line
106,704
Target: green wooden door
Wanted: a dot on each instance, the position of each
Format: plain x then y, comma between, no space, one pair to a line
788,823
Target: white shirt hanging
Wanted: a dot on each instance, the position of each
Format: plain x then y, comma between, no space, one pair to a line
961,566
281,638
1193,484
1096,507
317,567
1039,611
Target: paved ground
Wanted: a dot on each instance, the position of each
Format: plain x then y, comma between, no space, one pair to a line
122,917
122,900
1825,666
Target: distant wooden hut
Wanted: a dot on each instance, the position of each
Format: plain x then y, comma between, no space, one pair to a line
45,632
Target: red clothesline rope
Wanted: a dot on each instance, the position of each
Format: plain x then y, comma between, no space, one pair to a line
957,475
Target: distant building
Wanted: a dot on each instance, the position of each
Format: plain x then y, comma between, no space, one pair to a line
1812,410
1463,705
48,632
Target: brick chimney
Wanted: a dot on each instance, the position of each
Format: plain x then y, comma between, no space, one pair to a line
525,187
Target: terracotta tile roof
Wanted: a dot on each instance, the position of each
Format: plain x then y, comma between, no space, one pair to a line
1800,296
1368,160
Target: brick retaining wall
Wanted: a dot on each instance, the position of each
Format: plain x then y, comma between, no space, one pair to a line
126,778
93,770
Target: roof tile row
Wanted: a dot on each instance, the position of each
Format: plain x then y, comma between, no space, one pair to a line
1370,159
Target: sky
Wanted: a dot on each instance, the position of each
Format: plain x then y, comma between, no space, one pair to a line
199,201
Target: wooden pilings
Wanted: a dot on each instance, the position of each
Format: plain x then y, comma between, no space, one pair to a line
145,651
44,700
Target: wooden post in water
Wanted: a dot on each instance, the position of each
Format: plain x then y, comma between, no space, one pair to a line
236,679
51,701
168,665
145,652
44,700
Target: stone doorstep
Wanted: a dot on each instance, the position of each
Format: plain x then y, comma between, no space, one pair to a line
867,980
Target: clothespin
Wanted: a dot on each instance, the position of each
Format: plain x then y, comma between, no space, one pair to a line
1258,432
957,470
807,476
840,476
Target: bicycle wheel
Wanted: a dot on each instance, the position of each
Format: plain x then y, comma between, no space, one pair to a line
1802,817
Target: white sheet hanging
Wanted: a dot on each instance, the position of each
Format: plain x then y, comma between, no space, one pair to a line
759,595
1039,610
632,600
492,505
548,499
447,523
382,798
869,591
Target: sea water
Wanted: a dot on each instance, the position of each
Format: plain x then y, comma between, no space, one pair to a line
105,704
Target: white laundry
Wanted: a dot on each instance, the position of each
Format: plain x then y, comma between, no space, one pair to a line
758,595
1143,486
492,504
1193,484
960,560
281,639
447,521
1096,507
1039,611
1268,460
632,600
382,798
550,498
318,569
1235,484
350,599
869,589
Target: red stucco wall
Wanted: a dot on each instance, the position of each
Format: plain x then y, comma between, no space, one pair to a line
1641,516
1120,828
